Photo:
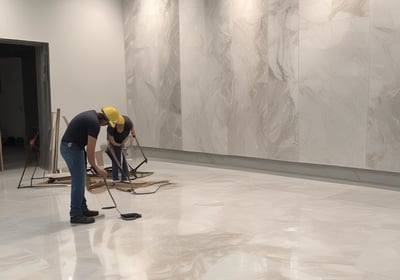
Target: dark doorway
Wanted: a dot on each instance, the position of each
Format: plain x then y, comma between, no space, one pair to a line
24,100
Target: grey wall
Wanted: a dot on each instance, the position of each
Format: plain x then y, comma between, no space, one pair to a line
11,113
295,80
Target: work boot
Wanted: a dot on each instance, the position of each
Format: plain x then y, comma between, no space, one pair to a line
90,213
81,219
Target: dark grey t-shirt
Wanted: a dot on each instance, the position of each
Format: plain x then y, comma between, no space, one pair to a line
80,127
119,137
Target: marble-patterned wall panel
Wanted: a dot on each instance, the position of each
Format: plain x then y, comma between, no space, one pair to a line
348,9
333,82
283,40
383,141
333,113
203,106
283,61
223,96
248,111
206,75
282,121
152,63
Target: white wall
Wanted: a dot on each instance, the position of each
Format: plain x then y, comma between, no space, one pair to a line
86,46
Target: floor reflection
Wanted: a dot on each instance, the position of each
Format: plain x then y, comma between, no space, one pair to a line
211,223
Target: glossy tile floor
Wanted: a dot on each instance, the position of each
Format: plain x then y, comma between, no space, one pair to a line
211,224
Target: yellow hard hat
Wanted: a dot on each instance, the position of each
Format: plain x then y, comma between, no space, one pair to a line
121,120
111,114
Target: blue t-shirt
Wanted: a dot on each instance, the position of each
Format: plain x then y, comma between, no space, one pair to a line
80,127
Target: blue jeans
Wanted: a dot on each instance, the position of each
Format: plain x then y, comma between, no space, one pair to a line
122,162
75,158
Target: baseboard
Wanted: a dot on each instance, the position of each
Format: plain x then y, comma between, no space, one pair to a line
303,170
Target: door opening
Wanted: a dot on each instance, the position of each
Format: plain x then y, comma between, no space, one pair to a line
25,105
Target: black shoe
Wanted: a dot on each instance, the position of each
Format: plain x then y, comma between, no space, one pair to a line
90,213
81,219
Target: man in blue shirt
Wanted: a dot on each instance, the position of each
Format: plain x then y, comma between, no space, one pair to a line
82,132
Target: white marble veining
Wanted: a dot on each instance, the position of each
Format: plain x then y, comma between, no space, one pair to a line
247,123
212,223
281,112
283,39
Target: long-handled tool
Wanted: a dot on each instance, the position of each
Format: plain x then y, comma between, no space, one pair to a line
134,170
144,156
126,216
111,152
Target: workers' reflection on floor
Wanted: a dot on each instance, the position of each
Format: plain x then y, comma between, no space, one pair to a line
88,265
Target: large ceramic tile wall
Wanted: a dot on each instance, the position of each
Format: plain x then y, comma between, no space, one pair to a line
281,97
383,139
333,69
312,81
152,68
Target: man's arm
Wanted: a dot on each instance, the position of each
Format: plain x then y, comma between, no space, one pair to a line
91,146
112,141
127,137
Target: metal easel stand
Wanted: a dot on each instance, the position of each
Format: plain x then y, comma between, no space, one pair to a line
61,180
134,171
32,149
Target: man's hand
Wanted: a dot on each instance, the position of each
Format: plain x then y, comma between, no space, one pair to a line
102,173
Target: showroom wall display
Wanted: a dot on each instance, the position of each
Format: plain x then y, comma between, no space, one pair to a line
296,80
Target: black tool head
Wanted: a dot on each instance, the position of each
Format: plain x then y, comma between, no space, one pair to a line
131,216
